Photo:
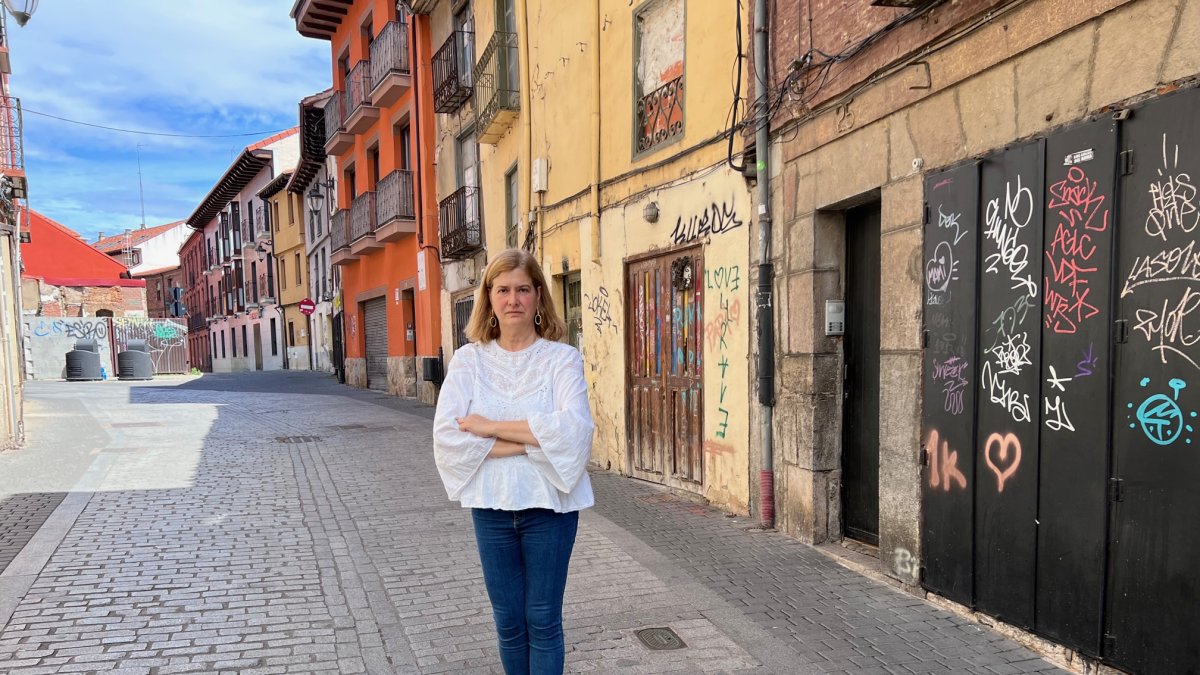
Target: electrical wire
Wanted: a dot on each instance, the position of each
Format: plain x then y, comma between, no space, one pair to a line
149,133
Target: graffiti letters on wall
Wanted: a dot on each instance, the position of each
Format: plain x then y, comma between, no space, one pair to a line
716,219
166,340
79,329
723,281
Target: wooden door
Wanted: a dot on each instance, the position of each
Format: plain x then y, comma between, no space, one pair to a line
665,397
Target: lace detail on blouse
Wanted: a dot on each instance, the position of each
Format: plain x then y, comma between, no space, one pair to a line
542,384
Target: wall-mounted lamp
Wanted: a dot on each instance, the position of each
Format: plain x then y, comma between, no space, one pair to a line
316,197
21,10
650,212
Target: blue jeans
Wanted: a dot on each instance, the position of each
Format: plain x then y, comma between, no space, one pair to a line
525,556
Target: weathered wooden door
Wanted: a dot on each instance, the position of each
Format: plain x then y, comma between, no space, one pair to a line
665,397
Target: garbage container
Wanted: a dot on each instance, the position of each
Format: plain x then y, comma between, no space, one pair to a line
135,363
83,362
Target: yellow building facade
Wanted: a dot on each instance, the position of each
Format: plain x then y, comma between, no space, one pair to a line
291,268
603,150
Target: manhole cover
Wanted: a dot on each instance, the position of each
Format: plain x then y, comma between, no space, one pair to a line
660,638
297,439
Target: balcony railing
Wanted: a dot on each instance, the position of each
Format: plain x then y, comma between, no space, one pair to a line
362,216
395,197
262,224
458,218
358,87
339,230
266,294
660,115
12,150
451,73
389,52
335,114
497,93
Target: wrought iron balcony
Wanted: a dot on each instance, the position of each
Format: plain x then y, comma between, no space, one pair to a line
12,149
497,87
264,290
362,223
390,75
339,229
262,225
395,207
337,140
458,220
660,116
360,114
452,72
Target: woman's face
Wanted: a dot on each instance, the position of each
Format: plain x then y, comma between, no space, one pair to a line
514,300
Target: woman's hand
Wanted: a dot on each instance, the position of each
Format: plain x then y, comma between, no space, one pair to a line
503,448
478,425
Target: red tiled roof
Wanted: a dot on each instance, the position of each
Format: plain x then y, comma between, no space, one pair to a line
271,139
117,242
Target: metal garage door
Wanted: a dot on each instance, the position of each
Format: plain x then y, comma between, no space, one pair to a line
375,333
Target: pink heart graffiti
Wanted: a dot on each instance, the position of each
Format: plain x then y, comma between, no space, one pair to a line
1006,459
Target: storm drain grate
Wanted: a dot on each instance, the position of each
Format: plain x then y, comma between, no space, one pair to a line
297,439
660,638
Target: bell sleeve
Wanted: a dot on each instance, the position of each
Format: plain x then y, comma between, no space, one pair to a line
458,454
565,435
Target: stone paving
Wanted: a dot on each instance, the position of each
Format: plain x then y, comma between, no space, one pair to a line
280,523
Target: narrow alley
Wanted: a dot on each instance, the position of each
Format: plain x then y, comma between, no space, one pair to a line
280,523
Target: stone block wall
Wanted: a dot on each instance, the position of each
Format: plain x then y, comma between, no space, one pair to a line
1032,68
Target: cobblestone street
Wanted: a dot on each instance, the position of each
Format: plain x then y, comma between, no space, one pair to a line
280,523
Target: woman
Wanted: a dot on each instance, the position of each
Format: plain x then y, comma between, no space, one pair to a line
512,437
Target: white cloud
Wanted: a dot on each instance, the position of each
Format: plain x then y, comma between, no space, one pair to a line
208,67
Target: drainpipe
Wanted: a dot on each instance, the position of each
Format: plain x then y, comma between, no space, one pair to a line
596,133
527,110
764,318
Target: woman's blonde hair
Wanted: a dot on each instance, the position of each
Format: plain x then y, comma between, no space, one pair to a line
480,328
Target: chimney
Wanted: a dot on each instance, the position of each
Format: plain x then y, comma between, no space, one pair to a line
99,237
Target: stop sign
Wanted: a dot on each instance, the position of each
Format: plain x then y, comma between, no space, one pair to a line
307,306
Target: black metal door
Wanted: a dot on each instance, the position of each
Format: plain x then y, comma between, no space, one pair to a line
339,354
1154,592
1010,261
949,380
860,415
1080,180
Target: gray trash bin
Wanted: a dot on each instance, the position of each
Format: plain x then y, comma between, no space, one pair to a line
83,362
135,363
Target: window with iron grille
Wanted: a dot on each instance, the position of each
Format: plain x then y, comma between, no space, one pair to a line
574,309
510,203
462,314
658,79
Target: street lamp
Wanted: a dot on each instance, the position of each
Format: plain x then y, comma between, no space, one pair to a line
21,10
316,197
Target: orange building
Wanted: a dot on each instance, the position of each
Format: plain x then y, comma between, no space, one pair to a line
379,126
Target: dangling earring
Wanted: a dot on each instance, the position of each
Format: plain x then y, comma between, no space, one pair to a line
493,322
537,319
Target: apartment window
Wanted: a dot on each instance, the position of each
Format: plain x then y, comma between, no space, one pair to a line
291,215
299,270
351,184
658,57
464,23
282,273
466,161
462,315
506,20
158,289
233,341
373,167
404,146
573,310
274,339
510,208
291,334
223,343
245,342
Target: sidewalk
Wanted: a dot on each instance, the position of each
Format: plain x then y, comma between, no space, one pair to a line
280,523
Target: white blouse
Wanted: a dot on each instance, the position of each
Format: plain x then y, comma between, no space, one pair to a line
542,384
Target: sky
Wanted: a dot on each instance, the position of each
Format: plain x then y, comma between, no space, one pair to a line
215,67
